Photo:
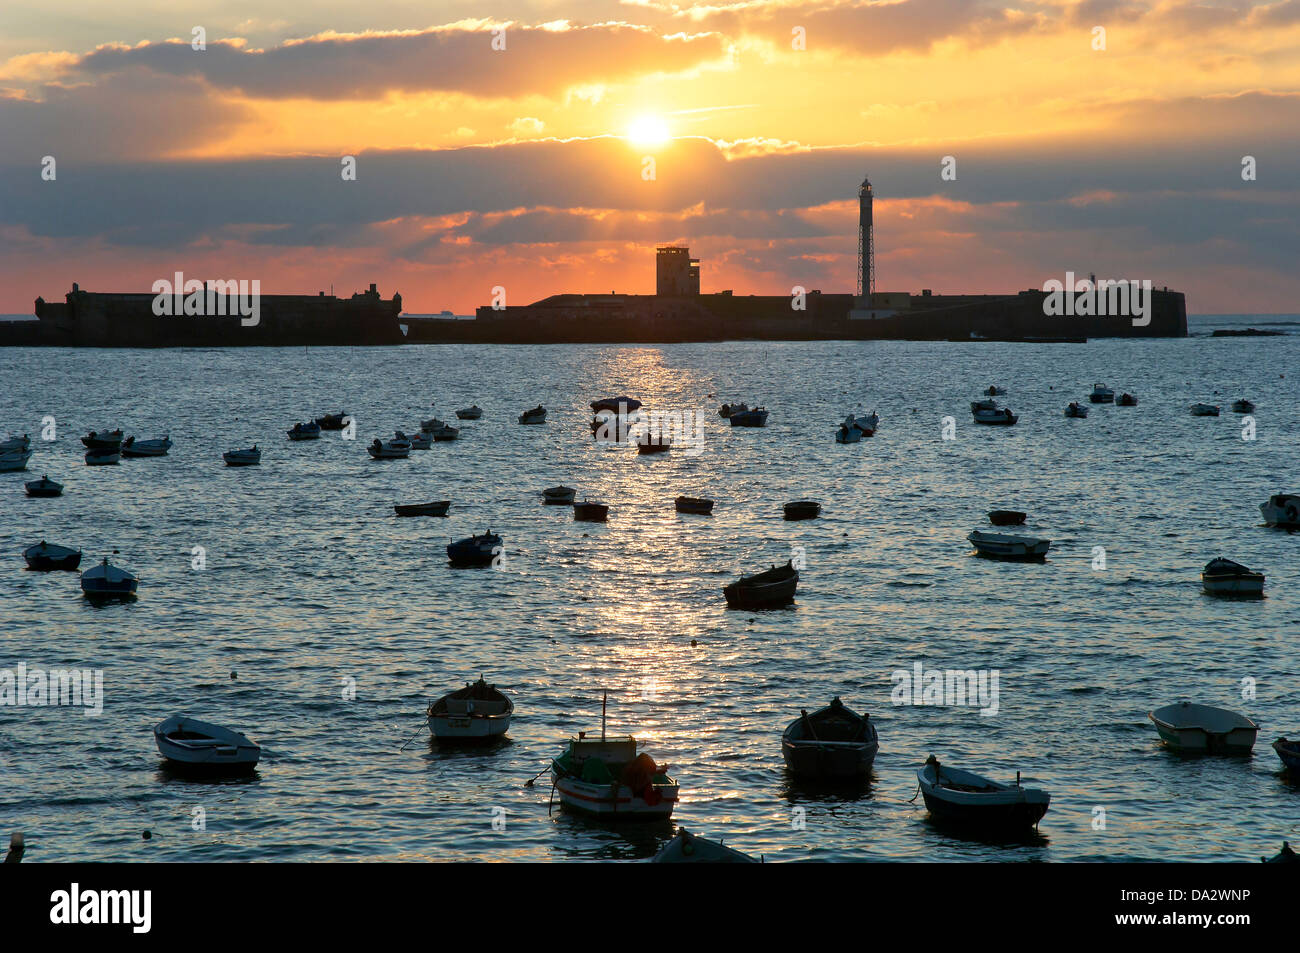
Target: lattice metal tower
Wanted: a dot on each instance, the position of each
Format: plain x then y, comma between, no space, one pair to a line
866,243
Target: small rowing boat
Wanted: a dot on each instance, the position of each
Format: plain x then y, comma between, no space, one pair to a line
48,557
771,589
832,744
475,550
422,509
688,848
971,800
43,487
1008,547
198,746
1203,729
106,581
476,713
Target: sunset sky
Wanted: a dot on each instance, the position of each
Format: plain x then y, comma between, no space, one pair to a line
523,167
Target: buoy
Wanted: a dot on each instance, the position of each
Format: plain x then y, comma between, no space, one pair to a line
147,835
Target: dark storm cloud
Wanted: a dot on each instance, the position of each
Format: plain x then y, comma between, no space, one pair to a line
534,61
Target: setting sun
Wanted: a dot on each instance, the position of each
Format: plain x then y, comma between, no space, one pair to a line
648,131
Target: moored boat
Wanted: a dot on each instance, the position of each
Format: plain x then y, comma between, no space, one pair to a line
43,487
473,412
1284,856
535,416
422,440
476,713
475,550
834,743
693,504
1076,409
389,449
439,508
971,800
1203,729
103,440
866,425
802,510
654,443
726,410
249,457
13,443
13,460
688,848
848,434
770,589
308,431
332,421
1223,577
1126,400
107,581
1101,394
608,779
1243,406
1007,517
146,448
749,418
558,495
433,423
994,416
1282,510
993,390
1205,410
587,512
445,433
102,458
48,557
199,746
1009,547
1289,752
616,404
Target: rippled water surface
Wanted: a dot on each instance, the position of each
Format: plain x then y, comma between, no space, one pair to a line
311,581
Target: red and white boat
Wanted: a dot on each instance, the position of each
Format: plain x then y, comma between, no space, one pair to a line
607,779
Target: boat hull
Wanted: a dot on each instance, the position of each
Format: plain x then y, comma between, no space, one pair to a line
467,730
996,420
816,761
749,418
422,509
52,562
776,595
1289,752
1012,816
1194,740
1247,586
1283,512
804,510
93,589
1007,517
610,802
987,546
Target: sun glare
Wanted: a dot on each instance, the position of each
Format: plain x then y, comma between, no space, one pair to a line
647,131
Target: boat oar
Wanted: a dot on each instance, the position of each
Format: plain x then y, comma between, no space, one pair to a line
417,732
